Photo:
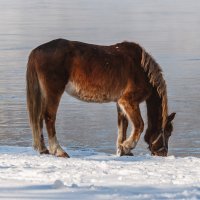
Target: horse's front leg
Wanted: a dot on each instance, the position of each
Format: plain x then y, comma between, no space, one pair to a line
132,110
122,128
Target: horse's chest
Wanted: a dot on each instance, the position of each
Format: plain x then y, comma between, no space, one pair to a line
87,93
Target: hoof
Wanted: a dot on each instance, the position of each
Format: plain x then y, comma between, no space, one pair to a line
121,151
58,152
46,151
129,154
62,155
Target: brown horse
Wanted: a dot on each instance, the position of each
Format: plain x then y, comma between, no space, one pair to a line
123,73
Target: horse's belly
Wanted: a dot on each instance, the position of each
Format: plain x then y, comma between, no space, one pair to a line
89,93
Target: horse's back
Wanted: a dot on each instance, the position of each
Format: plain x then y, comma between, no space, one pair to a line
89,72
98,73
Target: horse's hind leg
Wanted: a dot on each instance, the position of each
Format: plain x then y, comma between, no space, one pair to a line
43,149
132,110
52,103
53,94
122,127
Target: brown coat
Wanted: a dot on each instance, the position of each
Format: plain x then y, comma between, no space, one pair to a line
123,73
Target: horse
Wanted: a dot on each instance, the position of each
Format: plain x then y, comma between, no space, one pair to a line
123,73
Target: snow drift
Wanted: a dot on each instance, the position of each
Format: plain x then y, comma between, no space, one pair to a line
91,175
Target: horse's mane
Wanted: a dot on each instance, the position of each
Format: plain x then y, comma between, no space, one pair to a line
154,72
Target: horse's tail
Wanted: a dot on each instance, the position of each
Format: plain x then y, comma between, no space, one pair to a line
35,101
154,72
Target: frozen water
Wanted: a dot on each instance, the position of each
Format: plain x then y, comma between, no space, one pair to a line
169,30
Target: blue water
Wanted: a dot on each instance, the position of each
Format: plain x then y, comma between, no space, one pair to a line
168,29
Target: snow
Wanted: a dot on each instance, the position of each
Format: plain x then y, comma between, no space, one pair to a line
91,175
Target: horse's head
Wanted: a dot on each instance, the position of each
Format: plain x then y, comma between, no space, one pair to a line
158,143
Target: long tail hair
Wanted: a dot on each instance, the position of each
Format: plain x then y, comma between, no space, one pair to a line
35,102
154,72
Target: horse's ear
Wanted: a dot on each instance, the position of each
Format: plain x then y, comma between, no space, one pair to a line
171,117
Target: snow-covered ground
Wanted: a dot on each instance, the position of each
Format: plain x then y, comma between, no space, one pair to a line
90,175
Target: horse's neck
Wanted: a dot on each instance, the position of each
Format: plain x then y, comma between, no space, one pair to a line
154,115
154,111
